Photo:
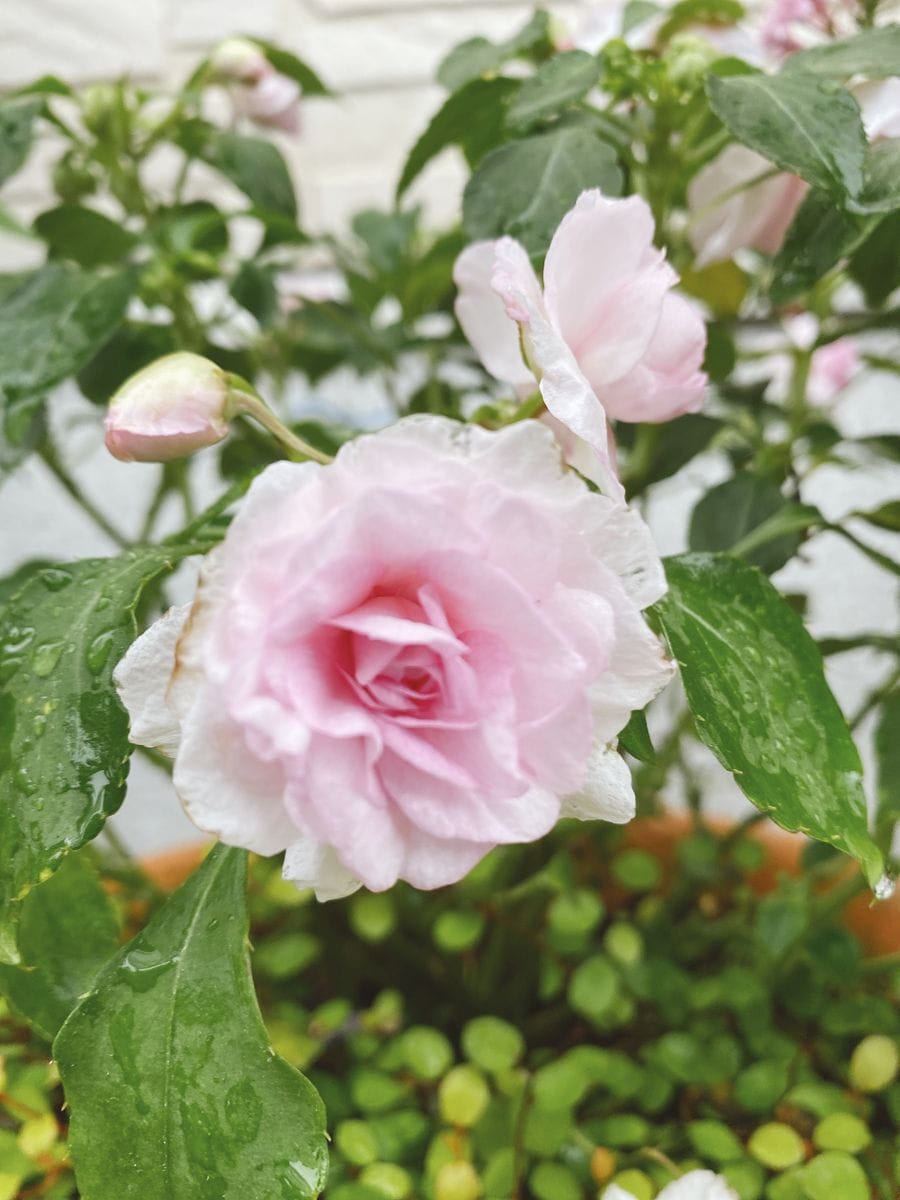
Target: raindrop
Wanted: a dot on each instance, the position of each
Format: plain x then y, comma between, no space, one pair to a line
98,651
54,578
884,888
46,656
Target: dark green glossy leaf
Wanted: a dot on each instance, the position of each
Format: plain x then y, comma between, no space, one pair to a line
132,346
668,448
479,56
557,83
472,117
875,265
820,235
778,530
63,734
732,510
17,114
881,190
255,167
254,288
84,236
53,323
168,1056
635,738
292,66
802,124
22,428
14,582
67,932
874,52
687,14
524,189
755,684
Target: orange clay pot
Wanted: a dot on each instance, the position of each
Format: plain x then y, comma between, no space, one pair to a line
877,925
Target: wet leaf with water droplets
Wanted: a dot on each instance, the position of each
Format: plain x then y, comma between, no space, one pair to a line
756,686
168,1056
63,734
68,931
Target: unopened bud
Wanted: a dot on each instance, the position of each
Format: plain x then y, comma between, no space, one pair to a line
239,59
171,408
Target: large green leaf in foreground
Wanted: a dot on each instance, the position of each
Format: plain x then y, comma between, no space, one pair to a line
63,734
174,1091
755,684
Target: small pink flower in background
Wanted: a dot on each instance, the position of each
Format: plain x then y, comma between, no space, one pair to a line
831,368
696,1185
261,93
398,661
606,337
727,216
171,408
830,371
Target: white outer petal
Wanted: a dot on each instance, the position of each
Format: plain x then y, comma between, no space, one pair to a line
699,1185
626,545
565,391
310,864
490,331
607,793
142,679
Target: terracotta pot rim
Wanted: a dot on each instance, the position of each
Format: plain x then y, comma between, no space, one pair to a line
876,924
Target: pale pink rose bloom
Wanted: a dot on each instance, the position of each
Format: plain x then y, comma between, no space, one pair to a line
171,408
727,216
606,337
398,661
696,1185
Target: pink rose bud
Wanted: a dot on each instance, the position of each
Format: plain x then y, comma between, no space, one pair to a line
239,59
171,408
400,660
605,336
273,100
730,212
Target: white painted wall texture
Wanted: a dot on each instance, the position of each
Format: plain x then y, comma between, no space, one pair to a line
380,57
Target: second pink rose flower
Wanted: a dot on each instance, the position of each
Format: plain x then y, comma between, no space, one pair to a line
606,318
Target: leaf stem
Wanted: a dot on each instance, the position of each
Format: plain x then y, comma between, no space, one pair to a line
50,457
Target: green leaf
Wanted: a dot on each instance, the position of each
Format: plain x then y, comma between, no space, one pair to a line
805,125
479,56
524,189
63,734
875,265
17,114
14,582
254,288
22,428
780,528
635,738
254,166
387,236
84,236
732,510
295,68
688,14
67,932
172,1034
666,448
53,323
472,117
887,757
874,53
881,190
133,345
820,235
886,516
561,81
755,684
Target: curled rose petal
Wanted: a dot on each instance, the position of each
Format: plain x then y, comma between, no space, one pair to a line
400,660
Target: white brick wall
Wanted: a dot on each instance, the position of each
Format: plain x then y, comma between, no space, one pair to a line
378,55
